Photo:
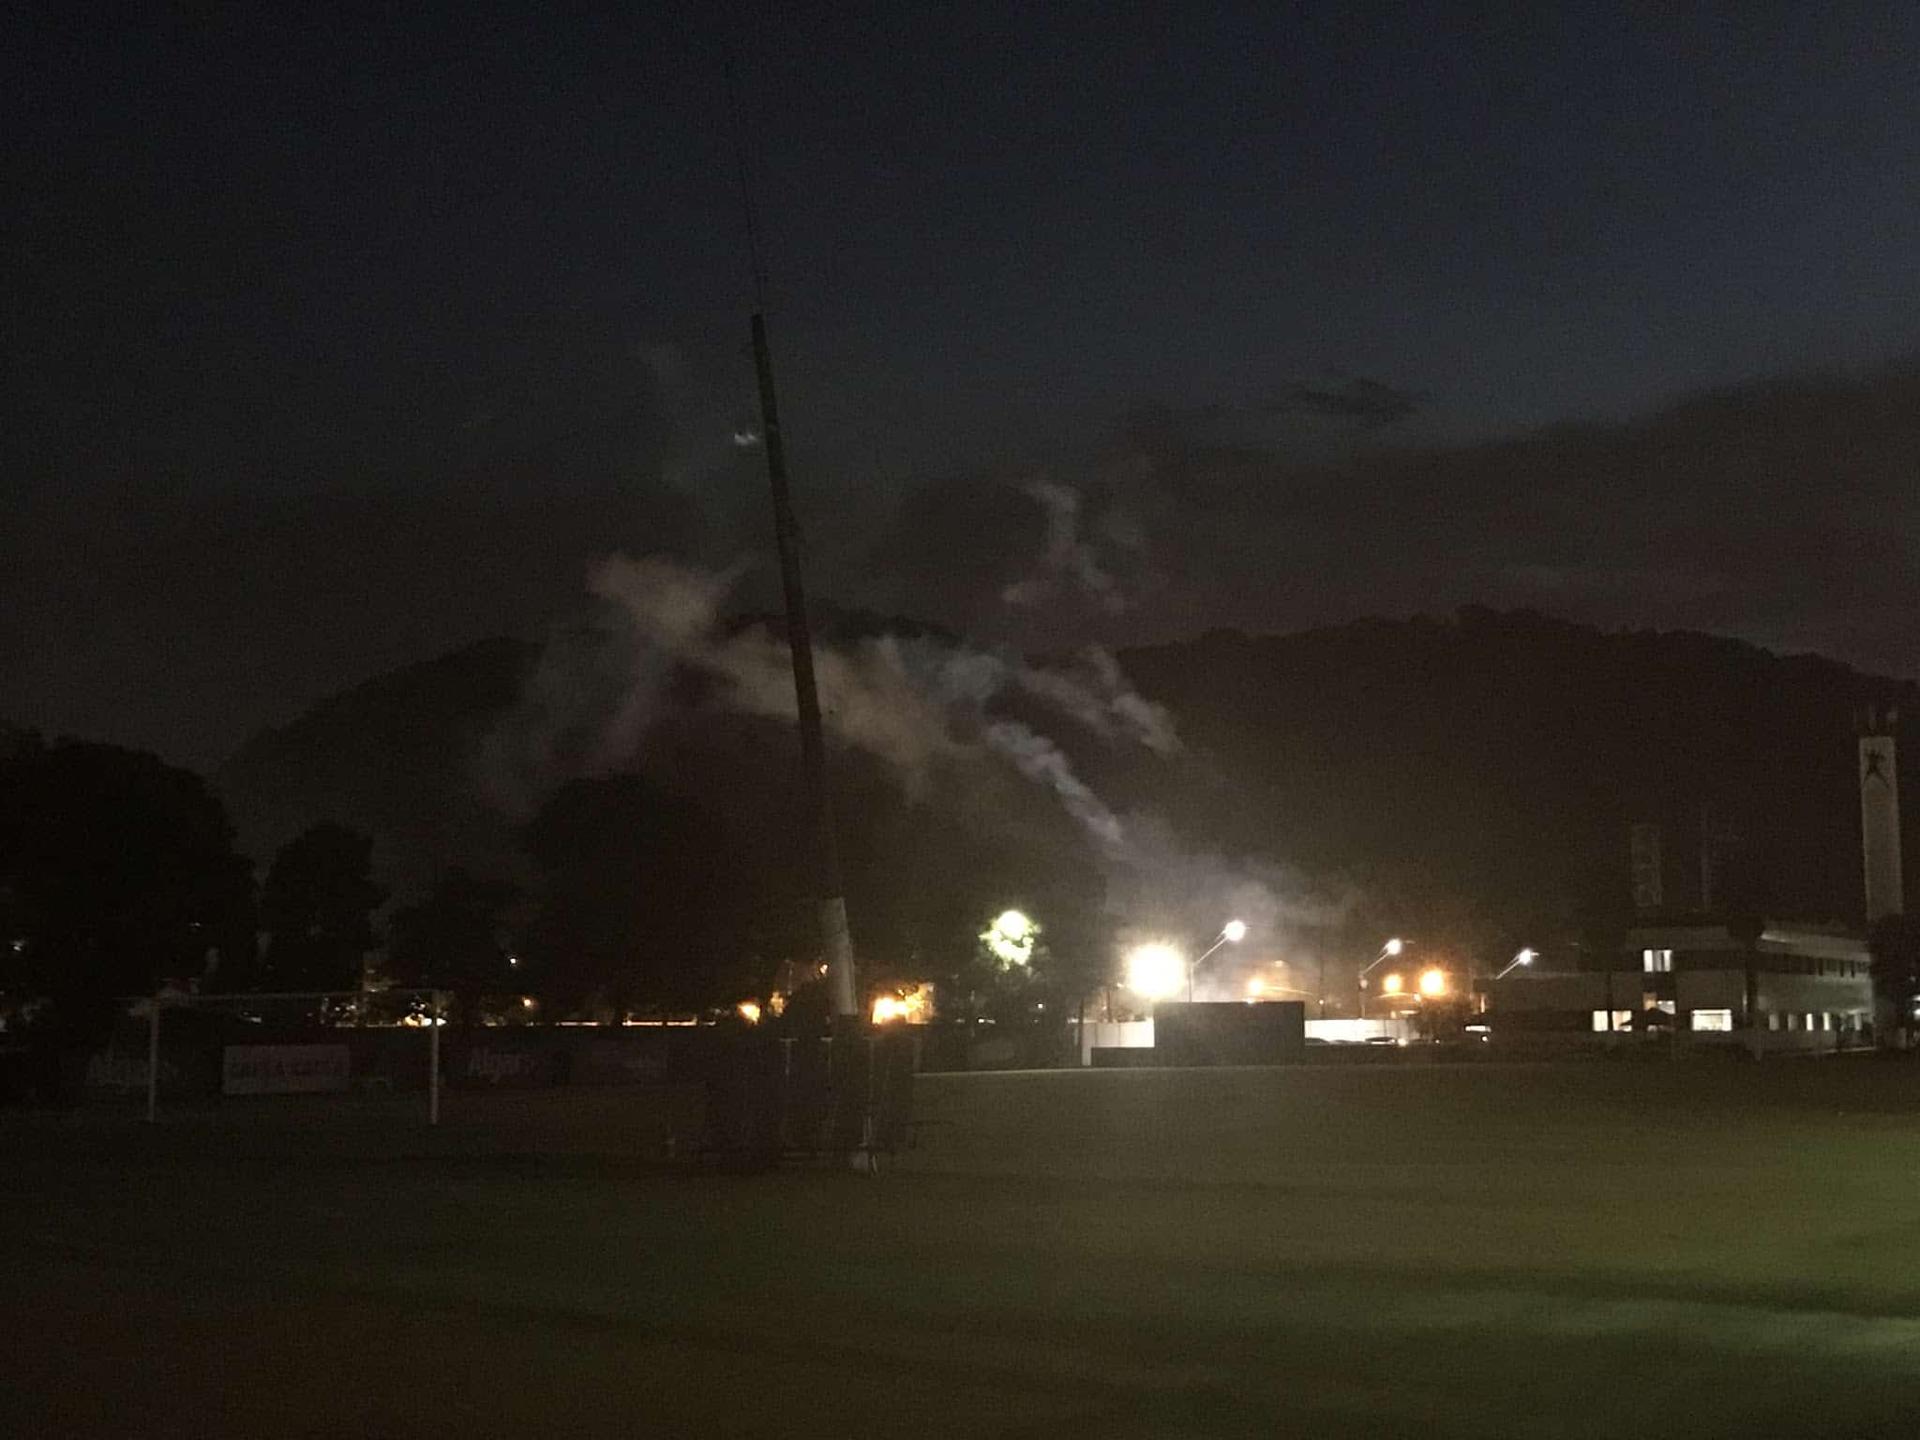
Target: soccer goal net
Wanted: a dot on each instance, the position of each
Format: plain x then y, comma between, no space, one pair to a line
179,1050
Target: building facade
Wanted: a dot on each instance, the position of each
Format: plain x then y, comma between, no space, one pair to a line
1788,988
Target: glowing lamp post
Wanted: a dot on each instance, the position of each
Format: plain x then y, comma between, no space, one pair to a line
1231,933
1157,971
1154,972
1524,957
1388,951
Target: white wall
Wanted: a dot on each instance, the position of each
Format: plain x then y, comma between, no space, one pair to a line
1116,1034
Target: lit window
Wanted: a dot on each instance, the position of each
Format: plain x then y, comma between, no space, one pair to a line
1713,1019
1813,1021
1604,1021
1656,962
1793,1020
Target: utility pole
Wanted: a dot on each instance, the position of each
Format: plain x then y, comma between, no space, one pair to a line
828,891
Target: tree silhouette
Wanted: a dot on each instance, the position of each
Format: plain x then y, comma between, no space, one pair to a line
455,939
117,872
317,906
648,900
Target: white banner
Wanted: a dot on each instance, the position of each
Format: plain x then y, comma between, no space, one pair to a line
283,1069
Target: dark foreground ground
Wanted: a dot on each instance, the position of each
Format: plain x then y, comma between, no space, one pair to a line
1616,1250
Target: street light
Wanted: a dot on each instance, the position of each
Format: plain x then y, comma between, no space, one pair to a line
1524,957
1154,971
1231,933
1387,951
1433,983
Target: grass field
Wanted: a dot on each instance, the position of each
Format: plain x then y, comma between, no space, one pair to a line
1606,1249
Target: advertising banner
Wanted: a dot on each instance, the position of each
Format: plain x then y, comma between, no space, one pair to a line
623,1058
512,1060
283,1069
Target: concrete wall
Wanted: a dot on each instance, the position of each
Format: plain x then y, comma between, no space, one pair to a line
1114,1035
1229,1032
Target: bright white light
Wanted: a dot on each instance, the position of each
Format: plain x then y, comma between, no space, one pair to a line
1392,984
749,1011
1527,957
1394,946
1010,937
1235,931
1156,971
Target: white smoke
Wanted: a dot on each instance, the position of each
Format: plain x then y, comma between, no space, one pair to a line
910,701
1039,759
1168,891
670,609
1070,561
914,702
1101,699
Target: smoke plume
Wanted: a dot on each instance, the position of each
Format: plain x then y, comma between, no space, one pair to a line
909,701
914,702
1070,563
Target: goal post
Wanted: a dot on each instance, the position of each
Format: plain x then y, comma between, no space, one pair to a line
293,1043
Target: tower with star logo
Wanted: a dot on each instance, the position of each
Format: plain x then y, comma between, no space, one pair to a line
1880,812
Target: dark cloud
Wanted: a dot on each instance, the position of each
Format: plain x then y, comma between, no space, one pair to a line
188,609
1783,512
1370,402
184,616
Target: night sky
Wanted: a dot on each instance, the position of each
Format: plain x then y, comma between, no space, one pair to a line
333,342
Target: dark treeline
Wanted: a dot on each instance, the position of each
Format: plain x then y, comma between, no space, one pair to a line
119,875
1470,780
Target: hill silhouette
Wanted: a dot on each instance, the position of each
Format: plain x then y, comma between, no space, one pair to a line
1473,777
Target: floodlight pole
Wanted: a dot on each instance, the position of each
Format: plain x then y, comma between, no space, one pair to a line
828,891
1195,964
1391,948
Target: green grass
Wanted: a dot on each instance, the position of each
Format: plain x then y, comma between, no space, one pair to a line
1609,1249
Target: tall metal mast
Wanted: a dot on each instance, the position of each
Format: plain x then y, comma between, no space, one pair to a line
829,893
